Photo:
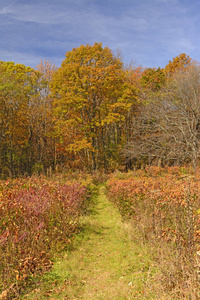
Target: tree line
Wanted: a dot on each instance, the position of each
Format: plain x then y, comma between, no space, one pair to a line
95,113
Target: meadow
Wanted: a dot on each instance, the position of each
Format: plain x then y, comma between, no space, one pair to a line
42,218
163,205
38,218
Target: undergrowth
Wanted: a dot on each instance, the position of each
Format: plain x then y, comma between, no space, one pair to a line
164,207
39,217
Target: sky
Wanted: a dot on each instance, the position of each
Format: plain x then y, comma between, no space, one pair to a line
146,33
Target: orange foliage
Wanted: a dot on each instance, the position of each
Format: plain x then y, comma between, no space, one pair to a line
167,197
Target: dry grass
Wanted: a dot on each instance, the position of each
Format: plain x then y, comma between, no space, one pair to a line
164,210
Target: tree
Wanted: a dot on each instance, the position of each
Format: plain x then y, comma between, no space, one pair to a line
91,96
182,114
141,146
41,145
153,79
15,87
168,128
179,63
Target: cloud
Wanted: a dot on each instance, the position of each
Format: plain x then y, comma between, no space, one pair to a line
18,57
35,13
5,5
150,32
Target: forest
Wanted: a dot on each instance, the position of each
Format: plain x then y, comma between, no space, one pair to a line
95,113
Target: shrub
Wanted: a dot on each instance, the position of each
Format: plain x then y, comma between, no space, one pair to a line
37,217
164,204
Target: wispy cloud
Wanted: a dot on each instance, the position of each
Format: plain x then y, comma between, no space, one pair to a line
149,32
6,5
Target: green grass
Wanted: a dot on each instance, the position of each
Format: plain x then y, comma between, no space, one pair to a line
106,263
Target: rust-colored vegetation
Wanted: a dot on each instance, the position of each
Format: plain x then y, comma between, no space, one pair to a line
163,205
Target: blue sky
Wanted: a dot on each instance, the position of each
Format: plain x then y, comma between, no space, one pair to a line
146,32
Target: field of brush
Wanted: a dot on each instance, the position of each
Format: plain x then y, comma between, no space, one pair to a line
38,217
164,206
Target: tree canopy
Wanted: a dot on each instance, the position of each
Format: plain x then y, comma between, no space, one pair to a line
91,96
93,112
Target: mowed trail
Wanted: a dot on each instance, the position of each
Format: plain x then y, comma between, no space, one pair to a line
107,263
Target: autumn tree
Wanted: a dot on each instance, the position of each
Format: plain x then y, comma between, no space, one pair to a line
167,130
148,144
179,63
15,87
40,117
181,112
25,118
91,97
153,79
149,138
150,82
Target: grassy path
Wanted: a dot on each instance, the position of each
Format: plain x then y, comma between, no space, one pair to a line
106,263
